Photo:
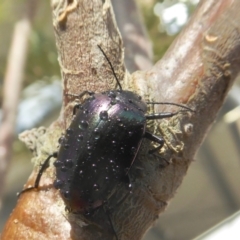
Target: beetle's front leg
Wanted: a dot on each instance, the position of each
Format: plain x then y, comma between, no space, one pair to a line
156,139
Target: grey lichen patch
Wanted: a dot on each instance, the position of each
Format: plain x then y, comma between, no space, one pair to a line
172,133
34,139
42,142
51,142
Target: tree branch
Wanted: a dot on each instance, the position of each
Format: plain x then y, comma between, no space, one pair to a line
137,46
197,70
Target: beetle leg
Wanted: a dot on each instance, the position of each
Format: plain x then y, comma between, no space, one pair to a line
156,139
162,115
75,108
172,104
80,96
44,166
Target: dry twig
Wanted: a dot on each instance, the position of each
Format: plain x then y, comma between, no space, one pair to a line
12,88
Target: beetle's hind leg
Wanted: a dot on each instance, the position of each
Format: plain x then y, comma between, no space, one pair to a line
156,116
156,139
44,166
159,140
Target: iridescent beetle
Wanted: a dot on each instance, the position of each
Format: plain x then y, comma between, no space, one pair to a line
100,146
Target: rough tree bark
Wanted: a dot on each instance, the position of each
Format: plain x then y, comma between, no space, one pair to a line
197,70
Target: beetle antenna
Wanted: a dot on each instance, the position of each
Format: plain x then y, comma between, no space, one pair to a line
173,104
111,66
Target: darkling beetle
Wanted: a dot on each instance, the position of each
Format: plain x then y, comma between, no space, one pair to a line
100,146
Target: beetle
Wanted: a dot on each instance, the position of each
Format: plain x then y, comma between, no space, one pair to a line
100,146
